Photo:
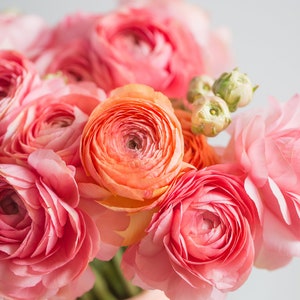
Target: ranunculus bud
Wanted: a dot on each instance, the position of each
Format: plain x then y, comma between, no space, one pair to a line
210,115
235,88
199,86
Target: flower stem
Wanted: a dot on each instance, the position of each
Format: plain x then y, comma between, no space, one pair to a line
110,283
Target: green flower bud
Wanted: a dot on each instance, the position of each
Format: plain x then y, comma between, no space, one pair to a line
199,86
235,88
210,115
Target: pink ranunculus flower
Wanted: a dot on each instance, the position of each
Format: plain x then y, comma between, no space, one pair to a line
17,77
27,34
46,240
215,43
52,116
152,44
201,242
266,143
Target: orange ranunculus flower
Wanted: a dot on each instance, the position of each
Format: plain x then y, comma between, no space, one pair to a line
133,146
197,151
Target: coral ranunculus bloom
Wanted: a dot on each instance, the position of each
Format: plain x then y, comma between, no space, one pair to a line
133,146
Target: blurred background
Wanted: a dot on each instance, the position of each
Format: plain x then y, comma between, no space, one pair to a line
266,44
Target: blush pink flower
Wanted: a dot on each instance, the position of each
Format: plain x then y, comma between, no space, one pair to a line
133,146
266,144
52,116
201,241
27,34
46,240
152,44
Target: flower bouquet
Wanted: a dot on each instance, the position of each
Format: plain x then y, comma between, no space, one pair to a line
110,185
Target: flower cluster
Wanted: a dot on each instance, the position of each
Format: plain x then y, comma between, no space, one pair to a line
105,122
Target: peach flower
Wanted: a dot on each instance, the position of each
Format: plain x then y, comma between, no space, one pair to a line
132,145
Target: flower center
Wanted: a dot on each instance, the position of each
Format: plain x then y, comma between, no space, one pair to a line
61,121
8,206
134,143
208,222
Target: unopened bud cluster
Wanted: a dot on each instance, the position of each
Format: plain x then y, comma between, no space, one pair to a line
214,100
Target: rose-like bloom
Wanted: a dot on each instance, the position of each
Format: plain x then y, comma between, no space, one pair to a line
17,77
52,117
266,143
153,44
201,241
27,34
214,42
197,151
133,146
46,240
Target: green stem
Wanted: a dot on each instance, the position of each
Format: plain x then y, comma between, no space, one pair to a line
101,289
130,289
110,283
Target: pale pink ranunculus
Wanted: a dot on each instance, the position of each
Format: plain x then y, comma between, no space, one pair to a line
17,77
153,43
52,116
26,33
46,240
266,144
201,241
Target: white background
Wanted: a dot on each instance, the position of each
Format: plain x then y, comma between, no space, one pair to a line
266,43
